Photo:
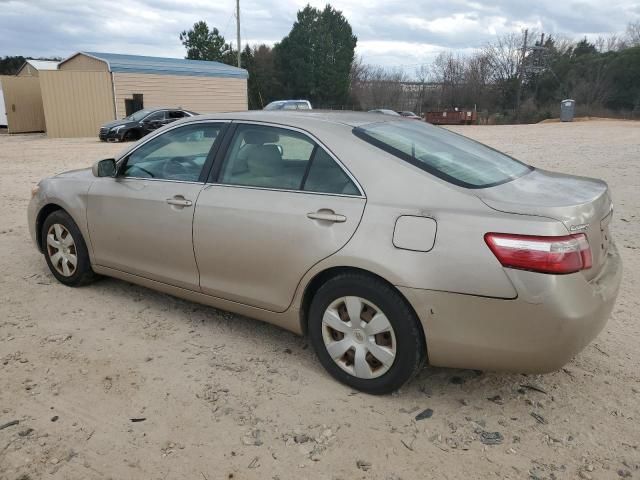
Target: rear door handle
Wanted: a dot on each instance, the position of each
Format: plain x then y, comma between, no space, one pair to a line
327,216
179,201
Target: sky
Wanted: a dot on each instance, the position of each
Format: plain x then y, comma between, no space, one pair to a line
394,34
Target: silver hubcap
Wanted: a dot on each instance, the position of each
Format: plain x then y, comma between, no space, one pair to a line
359,337
62,250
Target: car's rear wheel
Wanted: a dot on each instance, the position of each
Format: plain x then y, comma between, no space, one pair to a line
365,334
65,250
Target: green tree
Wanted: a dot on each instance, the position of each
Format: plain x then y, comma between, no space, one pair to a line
204,44
583,47
314,60
11,65
263,82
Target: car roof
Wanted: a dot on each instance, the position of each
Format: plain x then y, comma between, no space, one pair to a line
291,100
301,118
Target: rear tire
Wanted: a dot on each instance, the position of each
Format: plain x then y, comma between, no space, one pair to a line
65,250
378,353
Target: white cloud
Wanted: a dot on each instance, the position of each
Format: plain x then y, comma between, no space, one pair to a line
390,32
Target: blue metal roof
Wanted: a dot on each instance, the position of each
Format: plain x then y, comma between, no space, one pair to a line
167,66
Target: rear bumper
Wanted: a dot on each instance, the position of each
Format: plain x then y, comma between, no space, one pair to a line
553,318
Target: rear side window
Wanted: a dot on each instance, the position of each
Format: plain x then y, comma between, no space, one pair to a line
278,158
447,155
267,157
326,176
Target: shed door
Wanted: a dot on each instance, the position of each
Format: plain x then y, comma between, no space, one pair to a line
23,104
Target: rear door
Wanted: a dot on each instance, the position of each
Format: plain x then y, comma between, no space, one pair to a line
173,115
278,204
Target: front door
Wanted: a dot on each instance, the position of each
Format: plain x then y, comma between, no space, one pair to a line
153,122
279,204
141,221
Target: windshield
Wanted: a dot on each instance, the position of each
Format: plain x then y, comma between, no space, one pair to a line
274,106
452,157
139,115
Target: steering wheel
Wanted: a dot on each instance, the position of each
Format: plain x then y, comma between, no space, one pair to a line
176,166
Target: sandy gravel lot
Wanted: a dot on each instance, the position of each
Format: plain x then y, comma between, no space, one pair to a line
228,397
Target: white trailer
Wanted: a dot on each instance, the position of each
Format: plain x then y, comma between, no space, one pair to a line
3,111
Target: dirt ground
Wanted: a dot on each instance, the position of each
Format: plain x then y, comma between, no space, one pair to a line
228,397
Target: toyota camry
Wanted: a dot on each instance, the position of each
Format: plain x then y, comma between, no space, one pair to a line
391,243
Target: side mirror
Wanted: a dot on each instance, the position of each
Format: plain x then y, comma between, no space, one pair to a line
104,168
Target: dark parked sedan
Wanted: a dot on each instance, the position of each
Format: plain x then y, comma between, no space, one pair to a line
140,123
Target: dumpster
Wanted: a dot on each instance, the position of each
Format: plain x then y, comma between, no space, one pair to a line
452,117
567,110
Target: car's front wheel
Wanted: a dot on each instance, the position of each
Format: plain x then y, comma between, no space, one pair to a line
365,334
130,136
65,250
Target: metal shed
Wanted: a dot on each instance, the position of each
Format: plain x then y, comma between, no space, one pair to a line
90,88
32,68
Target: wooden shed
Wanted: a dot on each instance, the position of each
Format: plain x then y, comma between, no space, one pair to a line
91,88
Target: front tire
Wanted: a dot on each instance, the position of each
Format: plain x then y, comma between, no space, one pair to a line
130,136
365,333
65,250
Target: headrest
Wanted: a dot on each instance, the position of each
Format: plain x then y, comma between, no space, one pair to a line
265,160
260,137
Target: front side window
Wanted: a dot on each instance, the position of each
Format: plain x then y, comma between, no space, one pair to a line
271,157
155,117
179,154
452,157
137,116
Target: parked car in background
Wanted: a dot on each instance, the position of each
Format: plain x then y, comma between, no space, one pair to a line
385,111
289,105
391,243
407,114
140,123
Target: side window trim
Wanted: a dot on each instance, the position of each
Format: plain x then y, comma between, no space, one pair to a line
309,163
214,176
204,173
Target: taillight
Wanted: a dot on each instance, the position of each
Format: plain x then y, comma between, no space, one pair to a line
559,255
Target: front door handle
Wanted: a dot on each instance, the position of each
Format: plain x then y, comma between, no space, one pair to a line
327,216
179,201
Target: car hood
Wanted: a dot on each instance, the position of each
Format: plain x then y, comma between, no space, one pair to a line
81,173
117,123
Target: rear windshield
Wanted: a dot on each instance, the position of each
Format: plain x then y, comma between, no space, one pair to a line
445,154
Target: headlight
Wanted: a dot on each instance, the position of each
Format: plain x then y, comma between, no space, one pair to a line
117,129
35,190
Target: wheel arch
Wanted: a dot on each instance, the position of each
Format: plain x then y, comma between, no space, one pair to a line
44,212
327,274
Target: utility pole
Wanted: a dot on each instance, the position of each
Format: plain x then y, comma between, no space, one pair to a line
238,31
524,53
